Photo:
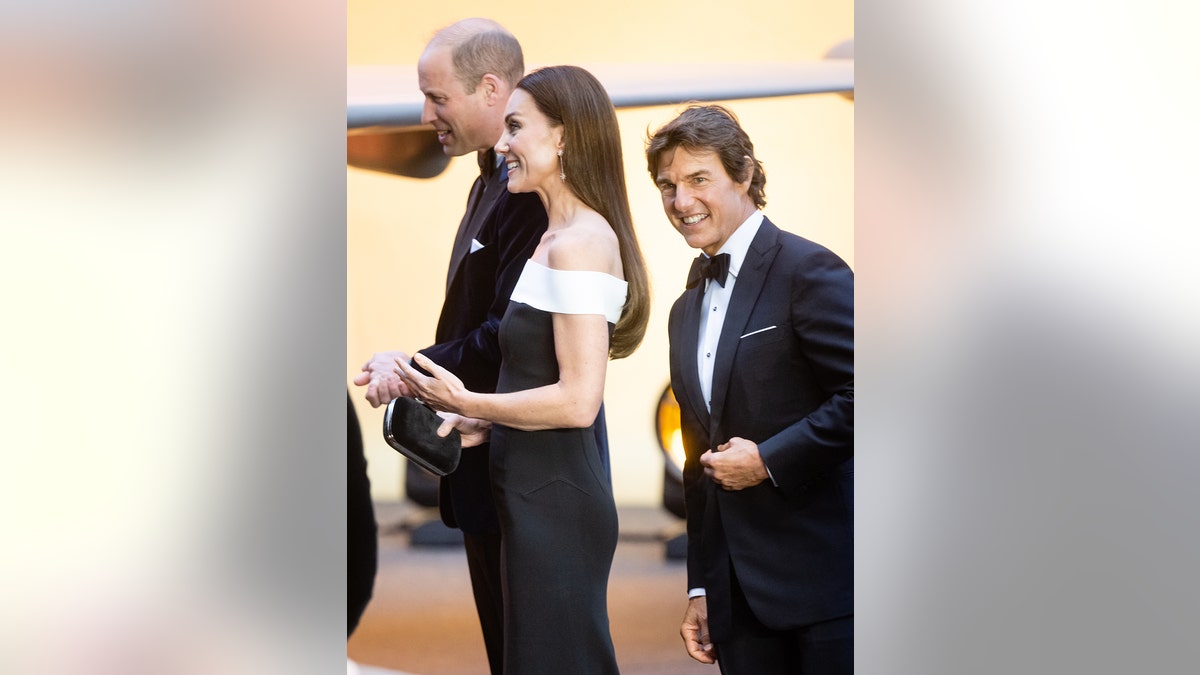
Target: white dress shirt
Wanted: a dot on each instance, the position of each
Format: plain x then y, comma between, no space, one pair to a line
716,301
715,306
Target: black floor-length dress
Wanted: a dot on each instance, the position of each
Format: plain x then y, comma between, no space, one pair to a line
558,521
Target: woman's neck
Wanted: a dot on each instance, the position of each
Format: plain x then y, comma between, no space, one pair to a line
562,205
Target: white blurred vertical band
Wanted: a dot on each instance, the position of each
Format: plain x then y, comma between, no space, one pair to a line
173,265
1027,322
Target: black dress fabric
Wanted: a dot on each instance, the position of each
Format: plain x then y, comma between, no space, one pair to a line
558,521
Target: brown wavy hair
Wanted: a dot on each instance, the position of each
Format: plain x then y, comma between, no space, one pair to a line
716,129
572,98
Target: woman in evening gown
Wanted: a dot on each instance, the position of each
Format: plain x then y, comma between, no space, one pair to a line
581,299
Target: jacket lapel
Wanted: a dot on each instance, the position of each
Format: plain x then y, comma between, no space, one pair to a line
746,290
466,232
485,192
688,343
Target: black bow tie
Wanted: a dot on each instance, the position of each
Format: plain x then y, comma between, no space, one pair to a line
715,268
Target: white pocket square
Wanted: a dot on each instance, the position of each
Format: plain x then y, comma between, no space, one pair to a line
756,332
475,245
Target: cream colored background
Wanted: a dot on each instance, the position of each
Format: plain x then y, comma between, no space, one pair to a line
399,230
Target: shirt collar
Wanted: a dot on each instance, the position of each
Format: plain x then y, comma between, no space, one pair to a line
739,242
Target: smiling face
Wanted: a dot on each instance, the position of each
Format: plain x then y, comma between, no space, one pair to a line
700,199
464,122
530,145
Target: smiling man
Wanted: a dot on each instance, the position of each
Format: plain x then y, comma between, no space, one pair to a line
467,72
762,363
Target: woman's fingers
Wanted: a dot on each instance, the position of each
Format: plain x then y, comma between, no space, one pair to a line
433,368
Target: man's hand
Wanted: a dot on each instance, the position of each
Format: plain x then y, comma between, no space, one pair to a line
695,631
736,465
380,378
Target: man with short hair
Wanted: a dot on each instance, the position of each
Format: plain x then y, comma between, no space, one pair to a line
467,72
762,357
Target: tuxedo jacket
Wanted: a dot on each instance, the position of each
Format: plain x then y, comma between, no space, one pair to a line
497,235
783,377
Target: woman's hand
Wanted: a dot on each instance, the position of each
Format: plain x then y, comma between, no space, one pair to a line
443,392
472,431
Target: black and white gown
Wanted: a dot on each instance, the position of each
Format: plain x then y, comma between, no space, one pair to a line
558,521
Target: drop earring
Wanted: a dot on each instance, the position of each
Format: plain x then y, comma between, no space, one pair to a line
562,174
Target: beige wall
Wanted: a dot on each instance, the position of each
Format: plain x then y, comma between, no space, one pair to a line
400,230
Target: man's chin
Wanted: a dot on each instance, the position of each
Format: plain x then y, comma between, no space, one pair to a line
449,147
456,151
695,242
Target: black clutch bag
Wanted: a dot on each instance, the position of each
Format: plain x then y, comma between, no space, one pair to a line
411,428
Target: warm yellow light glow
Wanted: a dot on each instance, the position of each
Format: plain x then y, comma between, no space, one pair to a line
670,436
675,449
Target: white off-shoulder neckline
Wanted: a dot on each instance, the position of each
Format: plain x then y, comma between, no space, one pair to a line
570,291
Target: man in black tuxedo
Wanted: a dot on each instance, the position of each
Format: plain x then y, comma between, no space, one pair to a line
762,363
467,72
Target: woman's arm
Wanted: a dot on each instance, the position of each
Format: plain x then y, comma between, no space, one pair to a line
580,343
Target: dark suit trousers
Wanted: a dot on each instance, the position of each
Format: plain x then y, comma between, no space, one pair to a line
483,560
825,648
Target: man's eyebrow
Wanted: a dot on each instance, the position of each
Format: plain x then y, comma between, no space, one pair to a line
698,172
702,173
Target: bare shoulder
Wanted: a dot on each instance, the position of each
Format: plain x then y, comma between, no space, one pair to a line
588,244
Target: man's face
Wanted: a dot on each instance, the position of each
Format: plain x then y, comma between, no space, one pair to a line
464,122
703,203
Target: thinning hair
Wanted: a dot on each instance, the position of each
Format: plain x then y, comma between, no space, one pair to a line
572,98
711,128
480,46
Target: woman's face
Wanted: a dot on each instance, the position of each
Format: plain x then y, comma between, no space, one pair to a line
530,145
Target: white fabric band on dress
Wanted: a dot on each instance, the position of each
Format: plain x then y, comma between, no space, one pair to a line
571,291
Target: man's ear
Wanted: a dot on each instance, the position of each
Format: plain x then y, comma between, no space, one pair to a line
491,89
747,171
